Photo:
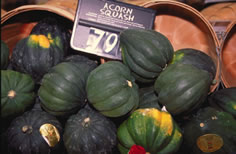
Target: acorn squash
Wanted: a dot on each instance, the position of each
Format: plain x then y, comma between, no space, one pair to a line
36,54
152,129
112,90
89,132
182,88
196,58
34,132
145,52
62,91
54,28
209,131
224,99
17,93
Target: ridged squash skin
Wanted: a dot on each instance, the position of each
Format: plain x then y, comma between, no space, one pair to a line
148,98
145,52
89,132
4,55
111,89
62,91
182,88
36,54
17,93
224,99
26,133
196,58
209,131
154,130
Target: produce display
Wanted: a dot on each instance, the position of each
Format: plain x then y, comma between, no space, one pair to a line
155,100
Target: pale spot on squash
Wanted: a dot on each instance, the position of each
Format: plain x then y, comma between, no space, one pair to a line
129,83
202,124
11,94
214,118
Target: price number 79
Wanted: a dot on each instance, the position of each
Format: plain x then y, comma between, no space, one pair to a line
99,39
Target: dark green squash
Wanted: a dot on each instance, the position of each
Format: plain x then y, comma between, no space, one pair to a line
35,132
148,98
54,28
145,52
196,58
17,93
62,91
112,90
4,55
224,99
182,88
36,54
210,131
89,132
154,130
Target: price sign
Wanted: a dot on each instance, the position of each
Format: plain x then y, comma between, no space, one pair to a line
98,24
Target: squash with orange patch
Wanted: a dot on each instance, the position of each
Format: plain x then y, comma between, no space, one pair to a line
36,54
154,130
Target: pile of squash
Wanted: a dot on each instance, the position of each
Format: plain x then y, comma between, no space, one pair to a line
155,100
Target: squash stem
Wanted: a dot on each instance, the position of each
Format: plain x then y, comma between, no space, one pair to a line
86,122
27,129
11,94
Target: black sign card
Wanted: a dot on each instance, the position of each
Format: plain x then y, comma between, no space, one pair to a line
98,24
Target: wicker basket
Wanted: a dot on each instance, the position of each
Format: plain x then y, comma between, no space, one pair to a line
220,11
228,57
217,14
186,27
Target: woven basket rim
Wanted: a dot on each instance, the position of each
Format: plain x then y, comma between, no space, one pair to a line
44,7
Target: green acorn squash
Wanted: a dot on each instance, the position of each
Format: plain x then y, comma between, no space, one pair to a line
145,52
54,28
224,99
112,90
34,132
196,58
182,88
154,130
62,91
17,93
36,54
89,132
4,55
209,131
148,98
